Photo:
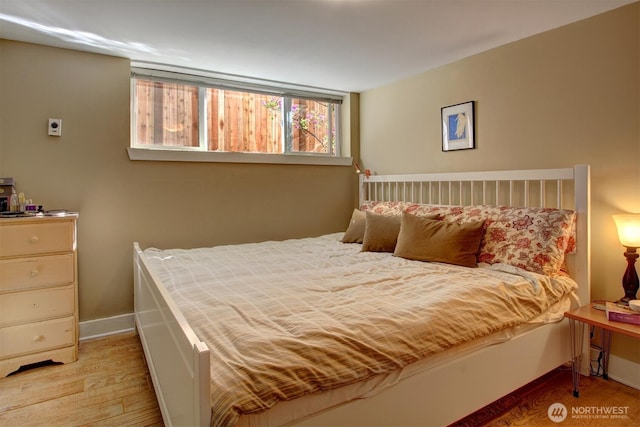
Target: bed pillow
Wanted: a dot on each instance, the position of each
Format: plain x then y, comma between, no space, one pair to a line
355,231
535,239
426,239
385,208
380,232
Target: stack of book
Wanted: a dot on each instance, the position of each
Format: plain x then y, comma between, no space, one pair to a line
621,313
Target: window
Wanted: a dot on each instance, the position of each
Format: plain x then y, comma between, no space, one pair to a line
171,112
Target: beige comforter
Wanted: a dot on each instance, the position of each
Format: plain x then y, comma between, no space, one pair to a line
284,319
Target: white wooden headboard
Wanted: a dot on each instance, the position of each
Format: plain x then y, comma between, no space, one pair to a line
567,188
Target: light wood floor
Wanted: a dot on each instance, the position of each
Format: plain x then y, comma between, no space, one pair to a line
110,386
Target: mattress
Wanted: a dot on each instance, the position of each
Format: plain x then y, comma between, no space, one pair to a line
298,318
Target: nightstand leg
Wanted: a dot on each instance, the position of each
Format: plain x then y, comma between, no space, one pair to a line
577,335
606,346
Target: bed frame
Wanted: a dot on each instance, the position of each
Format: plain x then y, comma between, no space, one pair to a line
179,362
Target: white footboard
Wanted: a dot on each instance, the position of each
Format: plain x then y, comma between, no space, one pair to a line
178,361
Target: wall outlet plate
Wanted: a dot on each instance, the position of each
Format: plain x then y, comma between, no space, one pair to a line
55,127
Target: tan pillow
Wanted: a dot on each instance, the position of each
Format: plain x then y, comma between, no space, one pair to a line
355,231
380,232
425,239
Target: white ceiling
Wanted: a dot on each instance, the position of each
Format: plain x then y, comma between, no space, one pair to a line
346,45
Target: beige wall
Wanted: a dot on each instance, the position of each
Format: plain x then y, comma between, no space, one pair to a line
564,97
166,204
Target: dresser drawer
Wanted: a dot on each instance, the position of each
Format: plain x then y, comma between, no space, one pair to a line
25,273
37,238
35,337
29,306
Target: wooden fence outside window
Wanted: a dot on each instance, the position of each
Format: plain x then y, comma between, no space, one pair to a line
167,115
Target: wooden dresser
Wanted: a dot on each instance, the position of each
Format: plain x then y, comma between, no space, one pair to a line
38,291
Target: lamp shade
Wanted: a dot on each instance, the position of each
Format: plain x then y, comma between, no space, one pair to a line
628,229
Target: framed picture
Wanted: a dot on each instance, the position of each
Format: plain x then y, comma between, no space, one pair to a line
457,127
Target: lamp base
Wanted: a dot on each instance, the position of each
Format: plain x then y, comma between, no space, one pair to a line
630,278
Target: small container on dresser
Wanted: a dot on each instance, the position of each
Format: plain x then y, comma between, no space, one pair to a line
38,291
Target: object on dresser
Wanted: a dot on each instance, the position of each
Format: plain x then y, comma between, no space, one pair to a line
622,313
30,206
15,201
7,188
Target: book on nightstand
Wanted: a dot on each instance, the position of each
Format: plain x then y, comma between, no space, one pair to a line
621,313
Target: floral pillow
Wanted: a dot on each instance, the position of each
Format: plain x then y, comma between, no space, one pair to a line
535,239
385,208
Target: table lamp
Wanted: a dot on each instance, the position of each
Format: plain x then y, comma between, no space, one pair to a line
629,234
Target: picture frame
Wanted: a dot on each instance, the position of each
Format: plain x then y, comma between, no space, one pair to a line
458,131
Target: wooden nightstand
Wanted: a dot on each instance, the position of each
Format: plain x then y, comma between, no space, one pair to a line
587,315
38,291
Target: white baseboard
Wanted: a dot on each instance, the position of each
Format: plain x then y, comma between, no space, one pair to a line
107,326
624,371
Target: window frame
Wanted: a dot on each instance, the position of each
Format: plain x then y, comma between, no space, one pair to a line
206,80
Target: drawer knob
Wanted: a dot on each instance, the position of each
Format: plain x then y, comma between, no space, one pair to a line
34,273
37,338
34,239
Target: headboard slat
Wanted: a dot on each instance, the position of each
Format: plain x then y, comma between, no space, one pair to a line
510,188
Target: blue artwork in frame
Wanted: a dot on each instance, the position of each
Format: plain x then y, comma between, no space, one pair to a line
458,127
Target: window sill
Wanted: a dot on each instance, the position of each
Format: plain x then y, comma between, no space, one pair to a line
213,157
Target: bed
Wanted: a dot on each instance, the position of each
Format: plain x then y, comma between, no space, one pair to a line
435,384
